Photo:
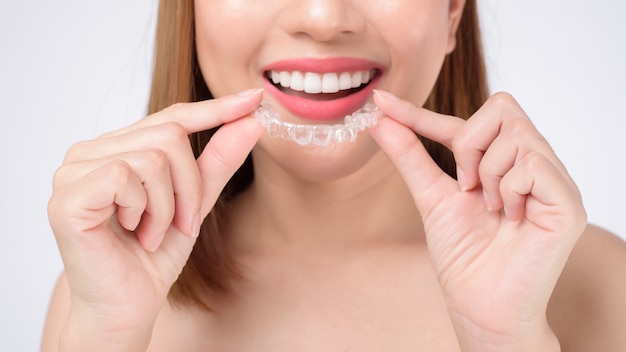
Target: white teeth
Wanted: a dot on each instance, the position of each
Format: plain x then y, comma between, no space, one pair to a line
366,77
320,135
275,77
312,83
284,79
330,83
297,81
357,77
315,83
345,81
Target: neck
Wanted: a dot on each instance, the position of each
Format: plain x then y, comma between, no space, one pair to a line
371,205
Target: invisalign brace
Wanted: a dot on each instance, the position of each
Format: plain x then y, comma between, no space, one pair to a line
321,135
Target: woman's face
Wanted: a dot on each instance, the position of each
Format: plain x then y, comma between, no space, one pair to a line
351,47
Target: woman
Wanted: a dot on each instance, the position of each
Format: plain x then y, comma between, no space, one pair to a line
377,244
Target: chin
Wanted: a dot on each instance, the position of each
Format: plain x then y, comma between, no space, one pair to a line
312,163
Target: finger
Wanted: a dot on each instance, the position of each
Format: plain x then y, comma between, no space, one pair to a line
87,203
172,140
152,169
223,155
172,254
535,184
517,137
427,182
440,128
202,115
437,127
499,116
495,163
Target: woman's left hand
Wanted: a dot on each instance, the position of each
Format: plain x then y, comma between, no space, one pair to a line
500,236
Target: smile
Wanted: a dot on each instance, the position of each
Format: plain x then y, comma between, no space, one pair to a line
322,89
325,84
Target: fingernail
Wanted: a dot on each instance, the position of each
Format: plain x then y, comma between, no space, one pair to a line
460,177
157,243
488,202
507,214
250,92
386,95
195,226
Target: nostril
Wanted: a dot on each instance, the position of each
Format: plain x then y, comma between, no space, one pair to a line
323,20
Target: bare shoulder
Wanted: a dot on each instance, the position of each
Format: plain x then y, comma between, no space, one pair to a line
588,308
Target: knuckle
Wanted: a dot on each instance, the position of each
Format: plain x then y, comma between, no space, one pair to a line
533,161
519,127
59,179
60,207
502,99
506,108
522,132
176,109
156,159
488,171
75,152
459,143
173,132
54,207
120,172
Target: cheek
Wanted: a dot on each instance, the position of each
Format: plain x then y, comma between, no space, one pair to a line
415,25
225,42
417,46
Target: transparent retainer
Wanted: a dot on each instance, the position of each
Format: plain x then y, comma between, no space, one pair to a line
320,135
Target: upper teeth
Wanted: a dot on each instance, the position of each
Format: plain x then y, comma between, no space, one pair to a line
314,83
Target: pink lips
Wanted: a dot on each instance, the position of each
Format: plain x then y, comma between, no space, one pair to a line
323,110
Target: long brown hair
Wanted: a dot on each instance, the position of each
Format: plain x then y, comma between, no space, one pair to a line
460,90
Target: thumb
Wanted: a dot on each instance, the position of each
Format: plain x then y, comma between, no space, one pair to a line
223,155
426,181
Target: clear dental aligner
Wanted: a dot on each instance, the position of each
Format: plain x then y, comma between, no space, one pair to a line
321,135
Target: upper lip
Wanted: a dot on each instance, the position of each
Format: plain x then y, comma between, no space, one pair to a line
317,65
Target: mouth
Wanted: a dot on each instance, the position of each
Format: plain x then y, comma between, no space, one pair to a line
322,96
321,86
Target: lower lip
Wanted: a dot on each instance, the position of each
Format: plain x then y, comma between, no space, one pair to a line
326,110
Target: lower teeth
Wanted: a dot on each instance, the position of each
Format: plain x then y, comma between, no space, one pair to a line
320,135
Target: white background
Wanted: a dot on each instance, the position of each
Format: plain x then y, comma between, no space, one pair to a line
70,70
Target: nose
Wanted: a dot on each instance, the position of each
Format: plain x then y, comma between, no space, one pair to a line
323,20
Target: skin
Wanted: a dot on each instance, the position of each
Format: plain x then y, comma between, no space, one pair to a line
501,260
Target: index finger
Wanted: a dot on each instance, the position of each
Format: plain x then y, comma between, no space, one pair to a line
440,128
202,115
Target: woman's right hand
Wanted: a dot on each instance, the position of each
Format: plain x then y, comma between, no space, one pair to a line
126,209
